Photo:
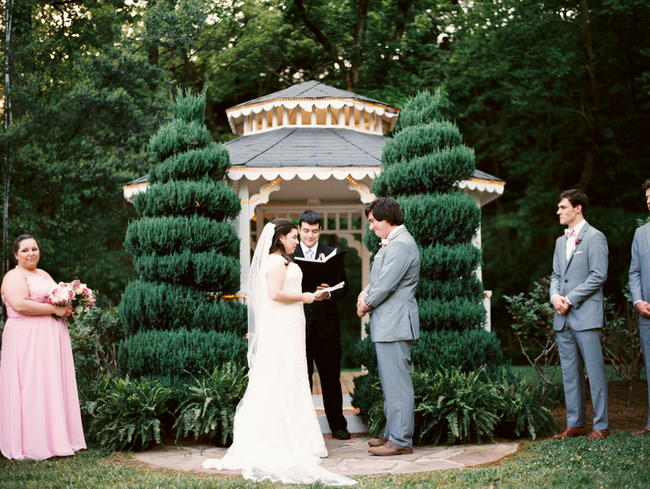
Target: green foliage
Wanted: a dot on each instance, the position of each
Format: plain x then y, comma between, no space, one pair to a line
440,218
187,198
532,322
470,288
422,108
165,234
126,414
179,353
468,350
207,269
177,136
209,408
456,314
368,398
450,262
189,108
420,141
435,172
212,161
94,335
157,305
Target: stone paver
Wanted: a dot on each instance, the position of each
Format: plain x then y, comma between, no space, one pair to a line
347,457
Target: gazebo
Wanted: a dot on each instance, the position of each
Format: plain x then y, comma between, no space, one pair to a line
313,146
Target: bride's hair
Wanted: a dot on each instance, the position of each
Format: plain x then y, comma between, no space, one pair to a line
282,228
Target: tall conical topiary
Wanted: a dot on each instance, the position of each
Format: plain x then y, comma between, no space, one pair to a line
422,162
185,251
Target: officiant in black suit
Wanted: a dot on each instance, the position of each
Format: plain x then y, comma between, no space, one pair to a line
323,326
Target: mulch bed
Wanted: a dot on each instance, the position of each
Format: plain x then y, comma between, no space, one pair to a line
628,408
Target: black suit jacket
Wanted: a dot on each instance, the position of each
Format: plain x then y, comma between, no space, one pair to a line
322,317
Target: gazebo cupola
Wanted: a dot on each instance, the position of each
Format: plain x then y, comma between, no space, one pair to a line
312,104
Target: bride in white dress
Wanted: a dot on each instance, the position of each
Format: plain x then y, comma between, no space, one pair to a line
276,434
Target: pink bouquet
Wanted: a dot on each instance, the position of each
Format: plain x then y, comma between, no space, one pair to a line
74,294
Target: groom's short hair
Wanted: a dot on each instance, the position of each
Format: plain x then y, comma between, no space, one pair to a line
386,209
576,197
310,217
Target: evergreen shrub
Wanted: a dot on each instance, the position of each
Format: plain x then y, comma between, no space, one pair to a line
368,398
180,352
187,198
423,108
208,410
440,218
470,289
428,173
449,262
423,140
164,306
212,161
455,314
207,269
177,136
126,414
166,234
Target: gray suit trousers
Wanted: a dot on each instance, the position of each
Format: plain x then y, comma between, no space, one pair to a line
394,362
579,349
644,332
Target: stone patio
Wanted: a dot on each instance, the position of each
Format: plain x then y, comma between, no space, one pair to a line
348,457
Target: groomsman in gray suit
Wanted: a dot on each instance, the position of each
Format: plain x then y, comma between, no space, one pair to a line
640,289
579,272
394,322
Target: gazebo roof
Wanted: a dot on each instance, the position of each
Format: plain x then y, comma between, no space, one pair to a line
308,146
309,90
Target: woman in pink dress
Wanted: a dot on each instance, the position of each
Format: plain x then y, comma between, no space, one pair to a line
39,405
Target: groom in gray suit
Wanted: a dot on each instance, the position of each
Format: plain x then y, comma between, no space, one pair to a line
579,272
640,289
394,322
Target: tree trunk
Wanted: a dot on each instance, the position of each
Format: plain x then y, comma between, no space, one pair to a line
357,48
591,110
7,119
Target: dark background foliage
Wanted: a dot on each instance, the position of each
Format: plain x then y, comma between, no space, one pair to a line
550,95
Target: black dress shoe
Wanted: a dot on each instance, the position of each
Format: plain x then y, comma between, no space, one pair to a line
343,434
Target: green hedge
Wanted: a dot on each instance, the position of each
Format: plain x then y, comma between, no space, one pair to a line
456,314
423,108
186,198
415,141
440,262
177,136
468,288
212,161
206,270
166,234
469,350
149,305
434,172
440,218
180,352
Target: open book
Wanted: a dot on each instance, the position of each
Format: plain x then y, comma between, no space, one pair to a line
329,289
323,260
326,269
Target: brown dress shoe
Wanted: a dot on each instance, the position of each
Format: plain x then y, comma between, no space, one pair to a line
569,433
390,448
377,442
641,432
598,434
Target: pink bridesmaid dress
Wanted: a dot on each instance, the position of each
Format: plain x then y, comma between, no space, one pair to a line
39,406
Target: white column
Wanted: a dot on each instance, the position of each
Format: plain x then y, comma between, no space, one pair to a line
244,232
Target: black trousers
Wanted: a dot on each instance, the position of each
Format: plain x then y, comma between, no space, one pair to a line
326,354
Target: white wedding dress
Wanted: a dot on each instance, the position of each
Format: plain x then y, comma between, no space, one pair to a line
276,433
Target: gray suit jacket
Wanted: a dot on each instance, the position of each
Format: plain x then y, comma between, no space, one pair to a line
391,292
640,268
581,279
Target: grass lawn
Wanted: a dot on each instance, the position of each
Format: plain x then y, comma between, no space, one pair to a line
621,461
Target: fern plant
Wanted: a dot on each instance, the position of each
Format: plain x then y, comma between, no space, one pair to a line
126,414
454,406
209,410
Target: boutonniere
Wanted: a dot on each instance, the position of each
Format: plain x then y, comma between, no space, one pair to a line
384,241
578,241
321,257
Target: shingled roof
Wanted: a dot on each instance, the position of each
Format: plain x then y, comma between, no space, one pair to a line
309,90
